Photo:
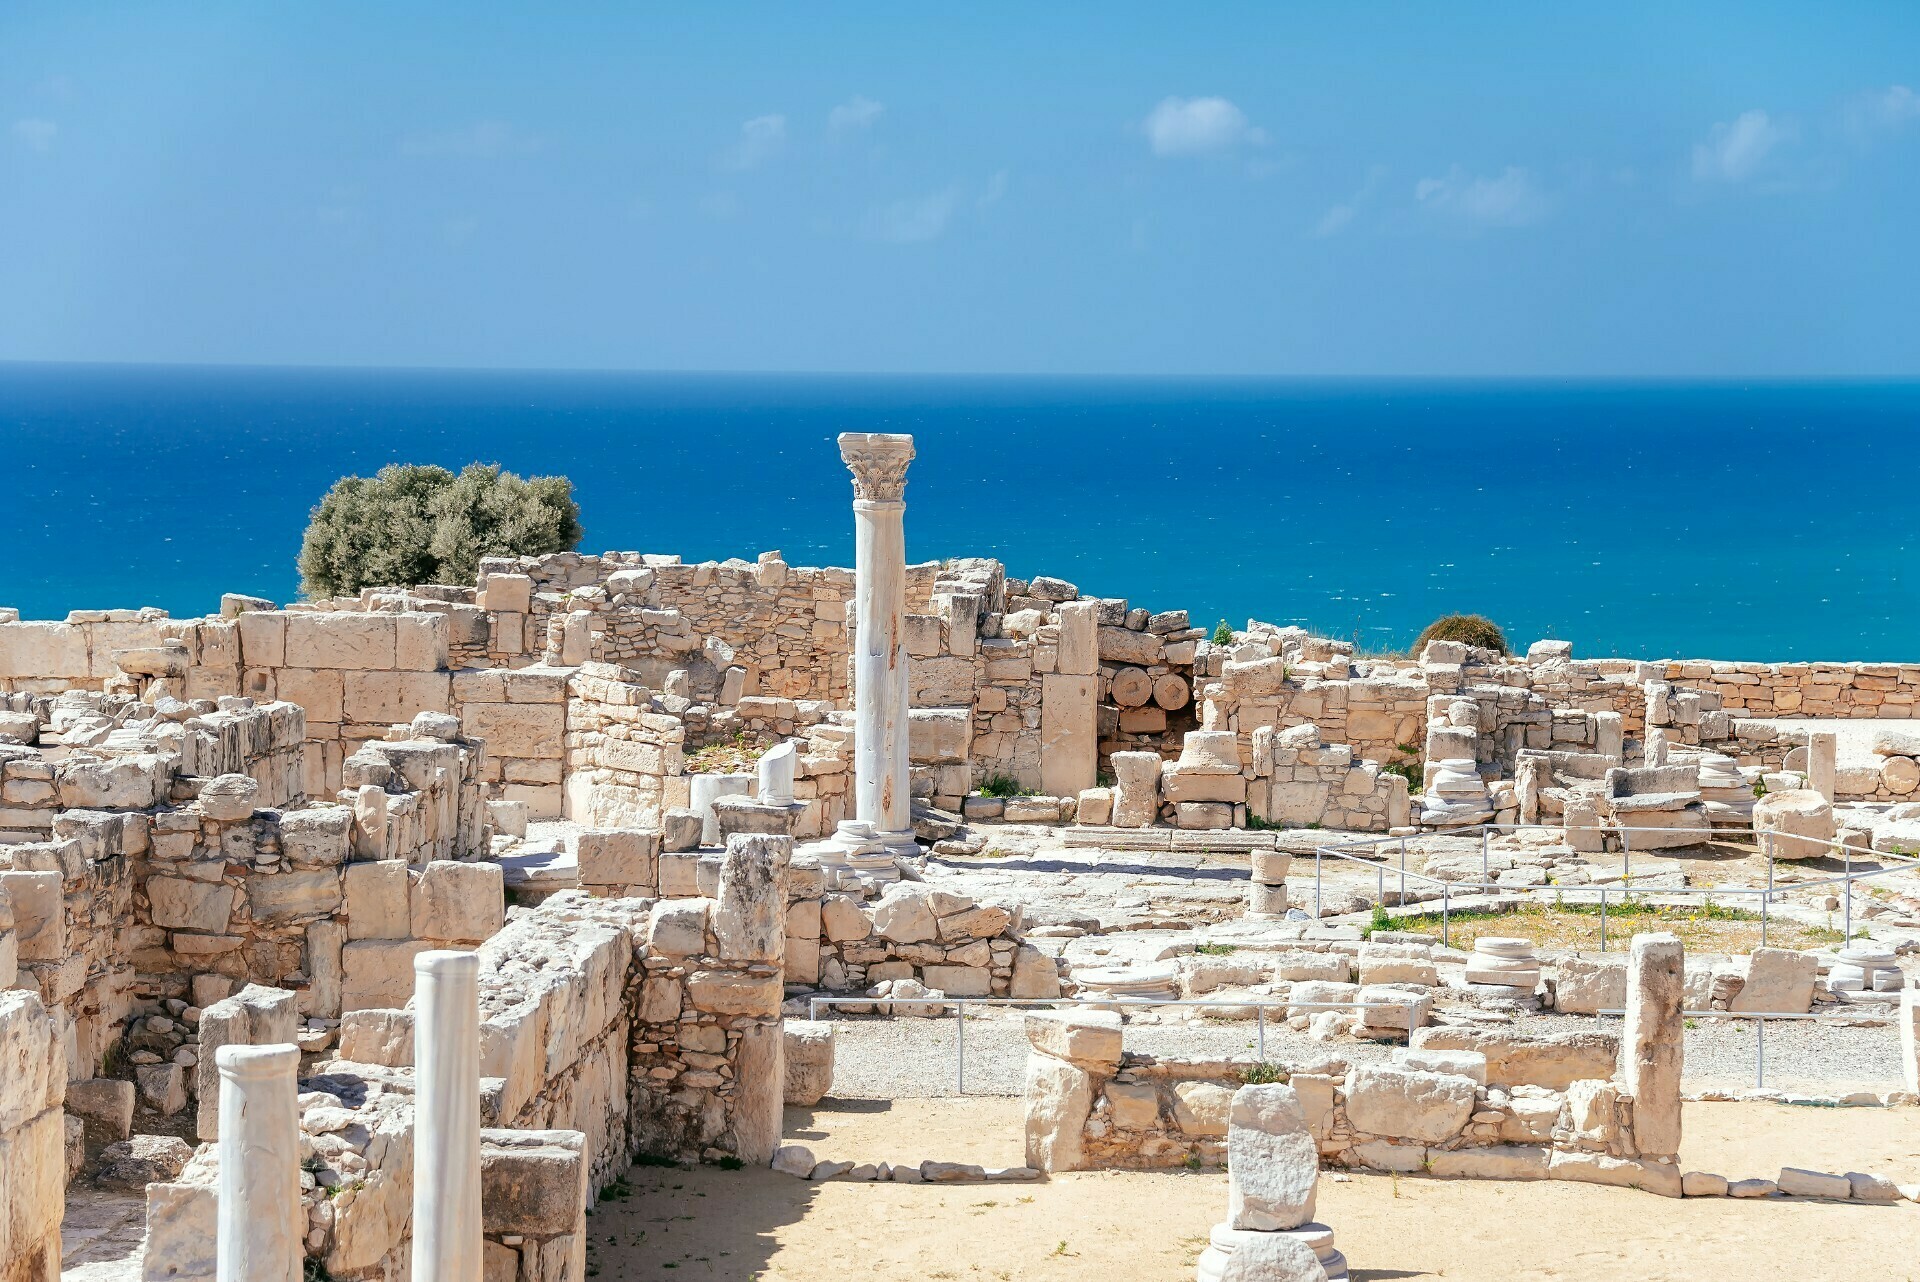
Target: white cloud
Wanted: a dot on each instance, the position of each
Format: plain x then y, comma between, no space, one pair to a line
760,138
1883,109
1510,200
912,221
1339,217
1194,126
996,188
36,134
484,140
858,112
1734,151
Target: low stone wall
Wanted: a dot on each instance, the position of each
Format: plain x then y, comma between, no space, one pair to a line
33,1139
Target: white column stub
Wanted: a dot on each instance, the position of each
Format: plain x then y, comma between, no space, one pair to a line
446,1117
882,798
260,1226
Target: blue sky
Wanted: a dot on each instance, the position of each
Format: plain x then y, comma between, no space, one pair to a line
1462,189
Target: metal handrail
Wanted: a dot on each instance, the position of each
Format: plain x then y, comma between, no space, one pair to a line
1846,879
1759,1018
1259,1004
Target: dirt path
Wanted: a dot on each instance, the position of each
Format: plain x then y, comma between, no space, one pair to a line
740,1225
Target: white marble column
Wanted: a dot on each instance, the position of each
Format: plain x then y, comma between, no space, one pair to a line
446,1117
260,1228
880,692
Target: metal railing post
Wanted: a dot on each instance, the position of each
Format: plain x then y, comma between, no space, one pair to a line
1848,894
960,1048
1380,884
1260,1031
1484,875
1603,919
1626,860
1767,901
1446,915
1759,1054
1403,872
1318,912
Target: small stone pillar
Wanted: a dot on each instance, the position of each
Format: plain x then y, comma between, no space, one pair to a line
882,799
446,1117
260,1227
1910,1036
1267,891
1823,760
1652,1046
776,774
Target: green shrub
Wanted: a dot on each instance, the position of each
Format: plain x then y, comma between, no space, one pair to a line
1470,628
1003,786
412,524
1262,1074
1382,919
1223,633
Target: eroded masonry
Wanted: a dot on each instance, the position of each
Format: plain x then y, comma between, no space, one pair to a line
578,834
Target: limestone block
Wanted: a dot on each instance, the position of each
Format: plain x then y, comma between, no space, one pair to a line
902,914
1498,1162
1908,1020
1273,1257
1087,1038
33,1162
121,783
1652,1044
1079,643
178,903
453,902
938,736
39,914
724,993
1703,1184
809,1061
749,914
533,730
618,857
1471,1064
181,1231
1589,984
43,650
532,1182
377,1037
1778,981
1035,975
317,837
1273,1163
506,593
163,1087
1133,1106
1597,1168
1388,964
959,981
1094,806
229,798
678,927
1058,1098
1136,793
1514,1059
1408,1104
1799,821
1204,816
280,897
132,1164
340,639
254,1016
1178,784
1201,1108
420,641
375,698
376,973
376,899
843,921
105,1105
1068,734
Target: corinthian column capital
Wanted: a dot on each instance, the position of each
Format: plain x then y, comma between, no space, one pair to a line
878,461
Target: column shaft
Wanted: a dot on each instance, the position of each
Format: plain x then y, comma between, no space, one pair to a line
260,1227
446,1117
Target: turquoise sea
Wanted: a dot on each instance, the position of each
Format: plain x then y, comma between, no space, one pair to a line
1745,520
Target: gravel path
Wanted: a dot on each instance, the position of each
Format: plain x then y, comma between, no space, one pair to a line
879,1058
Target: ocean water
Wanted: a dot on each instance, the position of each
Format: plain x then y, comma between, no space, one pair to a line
1731,520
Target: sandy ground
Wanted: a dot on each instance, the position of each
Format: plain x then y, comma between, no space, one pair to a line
1150,1227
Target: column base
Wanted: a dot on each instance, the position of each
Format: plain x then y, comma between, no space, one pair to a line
856,852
